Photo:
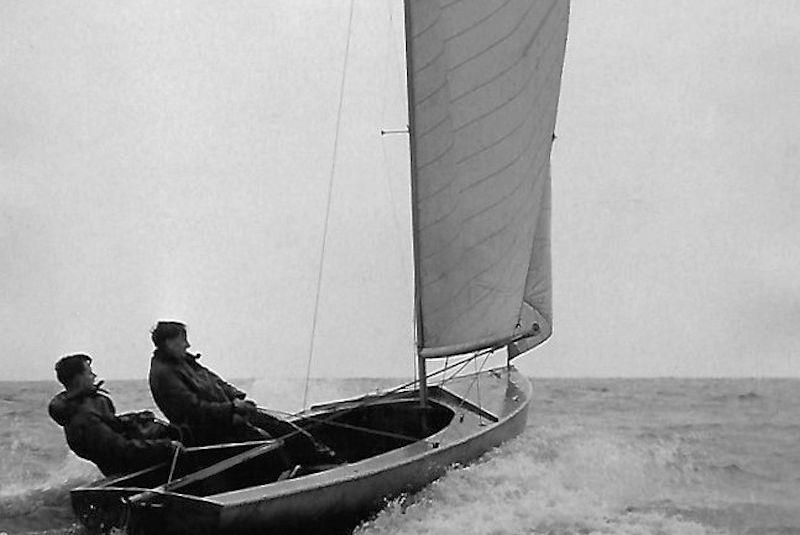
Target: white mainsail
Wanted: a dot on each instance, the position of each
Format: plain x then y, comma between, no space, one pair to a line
484,81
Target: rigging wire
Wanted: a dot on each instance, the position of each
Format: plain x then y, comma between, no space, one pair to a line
316,422
173,465
460,364
387,90
456,373
488,353
328,205
330,419
333,423
478,386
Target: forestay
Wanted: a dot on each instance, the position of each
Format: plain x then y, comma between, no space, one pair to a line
485,78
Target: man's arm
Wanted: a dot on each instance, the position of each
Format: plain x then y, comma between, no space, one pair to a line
98,442
181,404
230,390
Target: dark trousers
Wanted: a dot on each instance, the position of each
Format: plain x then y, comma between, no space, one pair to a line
301,447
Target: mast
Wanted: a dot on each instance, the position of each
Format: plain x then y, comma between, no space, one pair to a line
421,369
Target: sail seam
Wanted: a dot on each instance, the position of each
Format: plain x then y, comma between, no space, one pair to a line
485,293
439,156
483,210
447,184
466,250
490,266
449,147
443,50
532,40
523,180
500,40
432,61
522,153
436,19
448,4
500,74
495,143
511,99
458,234
475,245
478,22
430,129
435,90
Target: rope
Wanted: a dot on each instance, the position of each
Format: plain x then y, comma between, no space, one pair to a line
328,205
316,422
172,466
361,428
478,387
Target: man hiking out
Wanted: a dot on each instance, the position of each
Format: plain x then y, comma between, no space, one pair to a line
116,444
207,409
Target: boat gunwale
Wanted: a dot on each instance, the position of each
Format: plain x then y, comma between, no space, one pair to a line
137,490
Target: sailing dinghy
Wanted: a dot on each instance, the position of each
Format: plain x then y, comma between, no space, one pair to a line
483,85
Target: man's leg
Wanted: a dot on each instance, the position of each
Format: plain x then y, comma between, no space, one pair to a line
302,446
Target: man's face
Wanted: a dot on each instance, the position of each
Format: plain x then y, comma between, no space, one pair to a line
177,346
84,380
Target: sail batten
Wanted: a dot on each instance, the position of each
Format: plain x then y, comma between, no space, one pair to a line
486,76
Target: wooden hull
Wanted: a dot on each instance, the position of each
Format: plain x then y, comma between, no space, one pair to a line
484,410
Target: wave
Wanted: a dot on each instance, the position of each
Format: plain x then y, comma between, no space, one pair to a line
29,506
549,481
749,518
736,472
567,479
627,461
747,397
750,396
694,427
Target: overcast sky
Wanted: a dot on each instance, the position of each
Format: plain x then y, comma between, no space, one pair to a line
171,160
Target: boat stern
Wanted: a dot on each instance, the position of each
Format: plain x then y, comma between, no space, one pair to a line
101,510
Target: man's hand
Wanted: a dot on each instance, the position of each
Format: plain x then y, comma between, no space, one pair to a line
177,445
244,408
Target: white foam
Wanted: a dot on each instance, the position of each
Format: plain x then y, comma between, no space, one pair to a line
553,481
73,470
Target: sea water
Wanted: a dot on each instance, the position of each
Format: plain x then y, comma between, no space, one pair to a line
629,456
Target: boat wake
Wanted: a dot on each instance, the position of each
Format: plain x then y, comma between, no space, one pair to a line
559,481
37,506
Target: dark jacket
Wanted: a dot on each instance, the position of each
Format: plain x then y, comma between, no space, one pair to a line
95,433
195,399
